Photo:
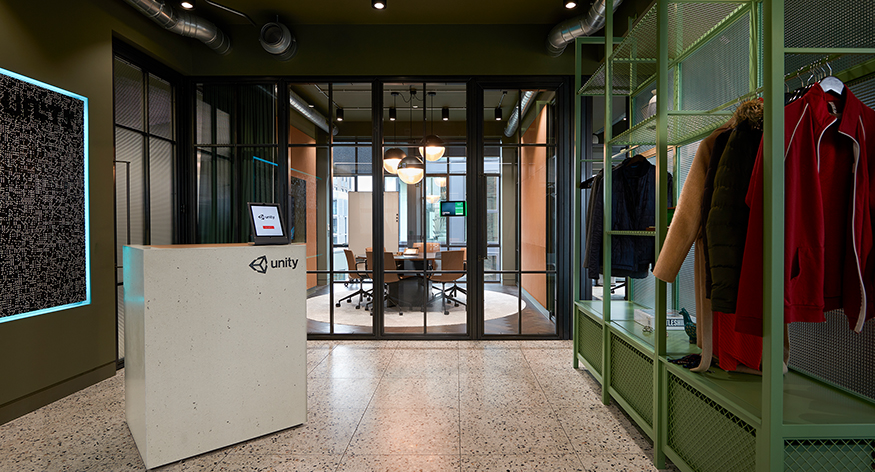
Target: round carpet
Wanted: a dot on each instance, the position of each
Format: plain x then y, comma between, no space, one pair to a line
496,305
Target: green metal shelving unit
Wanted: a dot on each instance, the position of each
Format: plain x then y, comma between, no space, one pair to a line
714,421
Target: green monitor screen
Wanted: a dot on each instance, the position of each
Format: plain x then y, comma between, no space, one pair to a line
454,208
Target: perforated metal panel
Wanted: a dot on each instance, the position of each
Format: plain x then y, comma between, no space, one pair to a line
708,437
813,455
864,90
831,351
688,23
719,71
589,335
631,373
829,24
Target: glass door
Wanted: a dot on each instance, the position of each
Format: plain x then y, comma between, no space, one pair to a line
425,259
519,173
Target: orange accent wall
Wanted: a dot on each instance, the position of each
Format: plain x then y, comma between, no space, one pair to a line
303,161
533,203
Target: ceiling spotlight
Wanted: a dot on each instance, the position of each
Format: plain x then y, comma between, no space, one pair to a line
445,113
393,114
497,113
187,5
378,4
570,4
311,105
340,114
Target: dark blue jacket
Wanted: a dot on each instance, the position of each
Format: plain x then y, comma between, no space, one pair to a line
633,203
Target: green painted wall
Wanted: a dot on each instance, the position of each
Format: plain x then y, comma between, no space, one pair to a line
395,50
69,45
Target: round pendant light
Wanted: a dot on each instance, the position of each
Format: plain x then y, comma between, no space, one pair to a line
432,147
411,170
392,158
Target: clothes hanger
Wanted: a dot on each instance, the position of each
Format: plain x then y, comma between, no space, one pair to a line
632,161
831,83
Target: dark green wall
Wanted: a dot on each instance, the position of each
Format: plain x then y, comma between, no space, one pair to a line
394,50
69,45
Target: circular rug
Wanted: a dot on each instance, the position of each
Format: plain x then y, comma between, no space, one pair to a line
496,305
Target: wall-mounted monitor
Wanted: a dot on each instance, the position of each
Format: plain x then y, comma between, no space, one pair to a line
457,208
267,224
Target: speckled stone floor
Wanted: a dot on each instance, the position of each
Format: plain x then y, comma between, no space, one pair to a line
378,406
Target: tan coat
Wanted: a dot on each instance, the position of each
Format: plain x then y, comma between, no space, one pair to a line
685,229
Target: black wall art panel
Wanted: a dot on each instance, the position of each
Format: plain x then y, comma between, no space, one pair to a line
43,198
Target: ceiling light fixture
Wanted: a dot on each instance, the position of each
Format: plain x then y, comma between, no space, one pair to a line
187,5
445,113
339,114
498,108
378,4
570,4
411,170
393,114
432,146
394,155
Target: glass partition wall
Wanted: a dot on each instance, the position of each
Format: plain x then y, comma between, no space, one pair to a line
378,182
520,155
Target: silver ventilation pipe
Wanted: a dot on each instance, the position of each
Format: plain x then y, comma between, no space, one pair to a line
564,33
304,109
184,23
518,112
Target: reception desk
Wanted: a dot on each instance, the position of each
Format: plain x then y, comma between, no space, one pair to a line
215,346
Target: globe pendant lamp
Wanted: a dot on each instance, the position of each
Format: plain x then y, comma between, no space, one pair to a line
393,155
411,170
432,146
392,158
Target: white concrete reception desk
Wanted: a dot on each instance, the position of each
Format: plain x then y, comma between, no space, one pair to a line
215,346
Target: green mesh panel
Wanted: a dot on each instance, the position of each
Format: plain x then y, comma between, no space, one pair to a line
681,130
719,71
635,57
632,377
708,437
589,335
813,455
829,24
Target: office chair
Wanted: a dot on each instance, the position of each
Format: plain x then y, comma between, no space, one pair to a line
388,278
450,260
353,277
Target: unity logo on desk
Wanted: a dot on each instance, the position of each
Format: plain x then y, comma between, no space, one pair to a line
260,264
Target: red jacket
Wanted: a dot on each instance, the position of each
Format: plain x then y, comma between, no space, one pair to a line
829,261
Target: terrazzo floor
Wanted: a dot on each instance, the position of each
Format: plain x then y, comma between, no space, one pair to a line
378,406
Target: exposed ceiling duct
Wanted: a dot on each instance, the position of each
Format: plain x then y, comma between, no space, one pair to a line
304,109
276,39
518,111
184,23
585,25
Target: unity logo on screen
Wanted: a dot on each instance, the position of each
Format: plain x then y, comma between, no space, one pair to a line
261,264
